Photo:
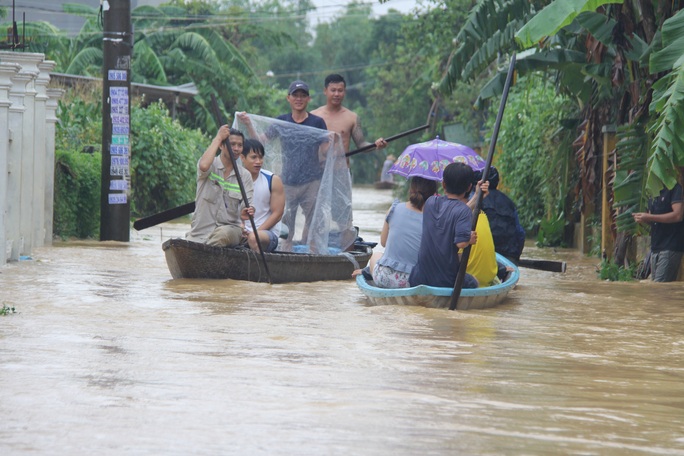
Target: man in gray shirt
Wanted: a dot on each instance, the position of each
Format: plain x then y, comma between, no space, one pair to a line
219,208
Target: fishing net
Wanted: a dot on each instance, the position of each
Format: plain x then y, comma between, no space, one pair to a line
312,165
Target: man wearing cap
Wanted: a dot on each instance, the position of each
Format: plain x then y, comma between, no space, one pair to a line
303,157
298,97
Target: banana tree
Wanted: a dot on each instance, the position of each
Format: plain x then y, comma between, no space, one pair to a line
81,54
172,47
598,52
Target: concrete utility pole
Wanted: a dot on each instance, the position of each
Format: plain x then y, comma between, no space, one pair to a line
115,207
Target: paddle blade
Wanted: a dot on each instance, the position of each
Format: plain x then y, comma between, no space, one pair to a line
543,265
164,216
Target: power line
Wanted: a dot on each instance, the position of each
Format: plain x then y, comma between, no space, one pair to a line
243,17
211,22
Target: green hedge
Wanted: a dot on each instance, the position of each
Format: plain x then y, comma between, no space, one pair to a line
77,194
163,162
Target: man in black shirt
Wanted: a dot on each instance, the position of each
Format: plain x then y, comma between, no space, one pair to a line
666,215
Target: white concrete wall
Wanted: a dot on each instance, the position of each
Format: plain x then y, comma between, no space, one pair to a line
7,71
17,110
27,153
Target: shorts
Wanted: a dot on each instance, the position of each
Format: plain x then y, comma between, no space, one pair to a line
469,281
665,265
386,277
272,241
225,236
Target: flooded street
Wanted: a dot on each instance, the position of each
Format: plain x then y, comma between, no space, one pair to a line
106,354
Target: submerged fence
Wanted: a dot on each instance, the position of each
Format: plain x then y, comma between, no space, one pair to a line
27,153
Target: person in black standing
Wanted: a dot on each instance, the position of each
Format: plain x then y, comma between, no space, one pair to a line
665,215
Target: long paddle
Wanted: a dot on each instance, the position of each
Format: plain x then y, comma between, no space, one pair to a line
226,143
485,173
164,216
391,138
186,209
543,265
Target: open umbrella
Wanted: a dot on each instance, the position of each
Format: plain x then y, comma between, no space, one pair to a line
428,159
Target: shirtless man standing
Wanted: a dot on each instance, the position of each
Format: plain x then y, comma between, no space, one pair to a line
340,119
348,125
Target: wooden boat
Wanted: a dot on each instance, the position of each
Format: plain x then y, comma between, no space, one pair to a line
193,260
423,295
382,185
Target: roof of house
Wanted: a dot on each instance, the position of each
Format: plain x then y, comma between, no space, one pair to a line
170,94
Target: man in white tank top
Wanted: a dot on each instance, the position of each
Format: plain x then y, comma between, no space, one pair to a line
268,200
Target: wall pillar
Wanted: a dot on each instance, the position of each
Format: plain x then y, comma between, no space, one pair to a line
50,122
40,153
15,238
7,70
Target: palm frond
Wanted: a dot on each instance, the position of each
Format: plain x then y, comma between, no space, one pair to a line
603,29
195,45
146,16
147,67
84,62
79,9
485,20
554,17
668,106
630,179
226,51
490,50
668,147
671,43
529,62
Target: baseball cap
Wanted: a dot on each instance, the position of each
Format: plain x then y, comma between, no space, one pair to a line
298,85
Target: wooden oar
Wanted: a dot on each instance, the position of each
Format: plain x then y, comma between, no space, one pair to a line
543,265
245,200
485,173
164,216
391,138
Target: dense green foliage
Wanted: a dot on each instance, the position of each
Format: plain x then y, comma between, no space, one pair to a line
163,160
77,194
533,165
163,157
620,61
616,273
78,164
80,120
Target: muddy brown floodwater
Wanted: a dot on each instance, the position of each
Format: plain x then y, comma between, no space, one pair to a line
106,354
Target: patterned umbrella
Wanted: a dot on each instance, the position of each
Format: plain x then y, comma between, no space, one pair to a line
428,159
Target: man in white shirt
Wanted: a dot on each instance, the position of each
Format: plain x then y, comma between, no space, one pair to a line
269,198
